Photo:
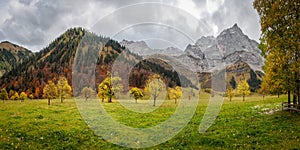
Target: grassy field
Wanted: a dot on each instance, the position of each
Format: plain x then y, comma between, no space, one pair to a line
240,125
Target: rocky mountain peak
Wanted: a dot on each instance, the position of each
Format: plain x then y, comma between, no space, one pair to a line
230,46
142,48
234,30
137,43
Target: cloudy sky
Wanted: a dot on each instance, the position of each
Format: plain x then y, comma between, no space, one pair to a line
35,23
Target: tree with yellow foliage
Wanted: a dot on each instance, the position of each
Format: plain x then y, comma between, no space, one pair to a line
136,93
155,86
280,45
23,96
3,94
50,91
243,89
63,88
230,92
31,96
175,93
15,96
109,87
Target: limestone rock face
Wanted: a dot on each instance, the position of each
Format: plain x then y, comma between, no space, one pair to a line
208,53
230,46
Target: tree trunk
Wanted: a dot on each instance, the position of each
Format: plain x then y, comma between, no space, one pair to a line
49,101
109,100
294,98
230,99
263,97
135,100
154,100
298,94
289,98
277,95
299,97
175,101
243,97
102,100
61,100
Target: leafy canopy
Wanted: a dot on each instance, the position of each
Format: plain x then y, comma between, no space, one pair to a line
136,93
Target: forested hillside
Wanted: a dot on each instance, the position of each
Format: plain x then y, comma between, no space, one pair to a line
11,55
57,60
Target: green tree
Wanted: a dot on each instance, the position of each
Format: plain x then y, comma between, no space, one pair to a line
87,92
23,96
110,86
232,82
50,91
280,44
243,89
3,94
230,92
155,86
64,89
136,93
175,93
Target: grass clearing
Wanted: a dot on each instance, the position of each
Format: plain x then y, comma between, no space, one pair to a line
240,125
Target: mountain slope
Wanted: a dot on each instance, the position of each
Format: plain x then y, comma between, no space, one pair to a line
232,48
11,55
48,64
58,58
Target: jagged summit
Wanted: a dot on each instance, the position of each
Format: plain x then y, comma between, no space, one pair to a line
229,47
235,29
142,48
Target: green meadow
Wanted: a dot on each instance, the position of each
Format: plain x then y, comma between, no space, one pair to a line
252,124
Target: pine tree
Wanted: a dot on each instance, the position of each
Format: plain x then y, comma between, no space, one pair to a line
232,82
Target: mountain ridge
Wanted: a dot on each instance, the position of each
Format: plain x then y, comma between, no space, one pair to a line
58,57
12,55
231,47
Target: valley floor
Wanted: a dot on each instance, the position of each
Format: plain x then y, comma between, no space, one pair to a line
253,124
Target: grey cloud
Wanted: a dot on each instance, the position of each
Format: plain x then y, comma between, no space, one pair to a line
166,19
240,12
35,25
